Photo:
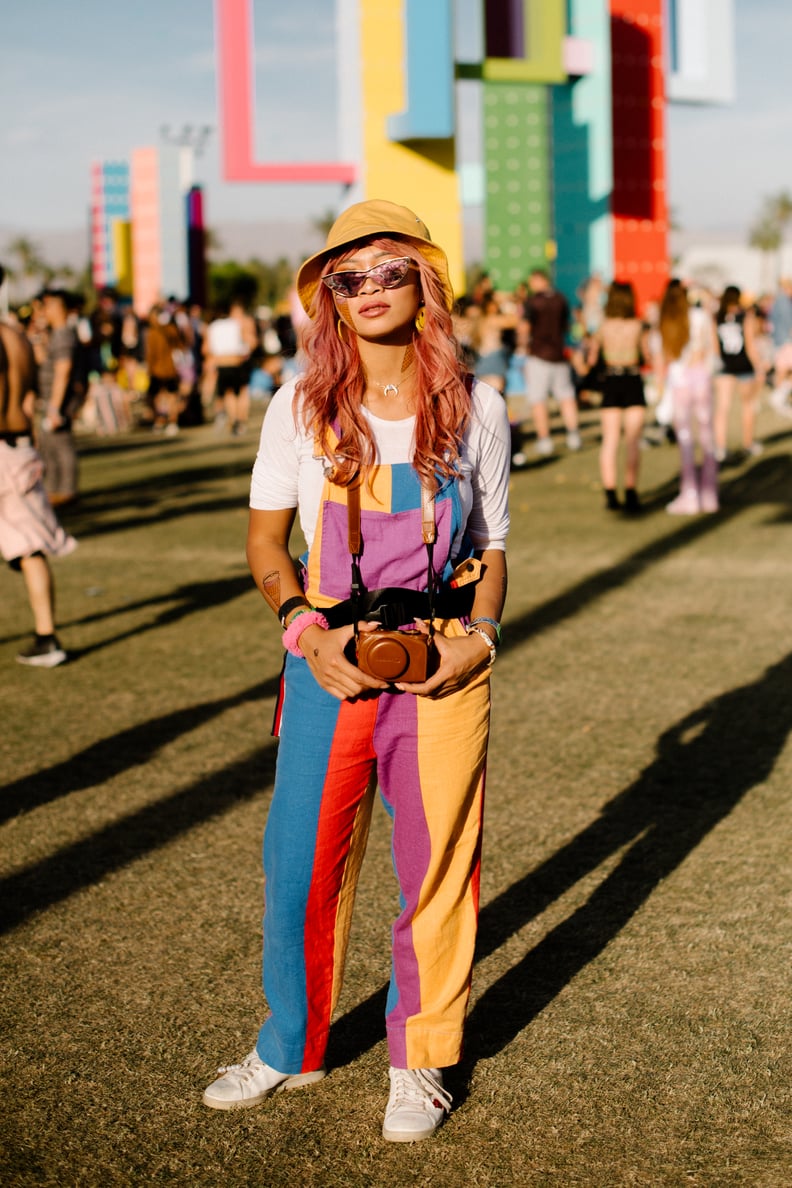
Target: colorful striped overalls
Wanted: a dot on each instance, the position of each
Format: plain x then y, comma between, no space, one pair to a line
428,757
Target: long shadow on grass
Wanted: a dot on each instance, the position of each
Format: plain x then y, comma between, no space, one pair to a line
171,494
768,482
189,599
88,861
705,764
121,752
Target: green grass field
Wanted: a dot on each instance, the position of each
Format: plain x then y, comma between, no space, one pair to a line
630,1018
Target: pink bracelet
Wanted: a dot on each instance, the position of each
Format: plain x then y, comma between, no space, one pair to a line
291,636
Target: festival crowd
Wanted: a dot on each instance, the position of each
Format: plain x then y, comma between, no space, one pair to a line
668,374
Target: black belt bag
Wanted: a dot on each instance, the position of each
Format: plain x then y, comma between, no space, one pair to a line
394,606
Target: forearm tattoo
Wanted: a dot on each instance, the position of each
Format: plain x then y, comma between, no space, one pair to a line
270,588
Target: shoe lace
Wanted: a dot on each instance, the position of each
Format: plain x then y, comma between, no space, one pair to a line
245,1070
417,1087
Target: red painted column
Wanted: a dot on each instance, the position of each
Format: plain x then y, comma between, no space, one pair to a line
639,202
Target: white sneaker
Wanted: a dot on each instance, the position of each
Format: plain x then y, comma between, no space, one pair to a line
685,504
755,449
417,1105
248,1083
519,460
544,446
779,400
574,441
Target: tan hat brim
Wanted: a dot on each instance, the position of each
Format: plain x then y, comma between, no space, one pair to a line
370,220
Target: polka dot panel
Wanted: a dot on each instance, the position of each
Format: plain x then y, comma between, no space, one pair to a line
517,153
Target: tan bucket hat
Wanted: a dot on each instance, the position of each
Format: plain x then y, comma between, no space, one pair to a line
363,221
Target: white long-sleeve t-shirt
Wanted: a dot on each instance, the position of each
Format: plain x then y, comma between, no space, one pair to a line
288,474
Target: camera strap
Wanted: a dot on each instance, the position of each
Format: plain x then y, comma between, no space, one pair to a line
355,541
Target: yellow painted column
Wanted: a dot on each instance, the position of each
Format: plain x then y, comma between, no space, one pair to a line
421,174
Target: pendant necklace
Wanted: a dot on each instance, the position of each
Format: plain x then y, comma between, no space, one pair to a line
388,389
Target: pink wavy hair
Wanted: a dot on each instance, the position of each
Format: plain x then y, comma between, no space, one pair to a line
332,387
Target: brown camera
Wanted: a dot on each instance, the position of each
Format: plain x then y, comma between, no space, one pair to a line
396,655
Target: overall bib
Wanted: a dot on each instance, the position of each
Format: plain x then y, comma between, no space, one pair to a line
428,757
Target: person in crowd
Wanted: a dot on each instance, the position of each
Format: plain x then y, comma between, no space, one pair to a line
516,398
29,531
107,345
547,370
383,446
687,358
742,371
781,324
164,346
592,303
489,344
59,399
131,362
230,342
620,342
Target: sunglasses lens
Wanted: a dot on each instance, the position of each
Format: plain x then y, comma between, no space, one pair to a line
346,284
349,284
391,273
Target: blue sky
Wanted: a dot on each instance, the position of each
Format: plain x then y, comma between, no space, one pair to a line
100,77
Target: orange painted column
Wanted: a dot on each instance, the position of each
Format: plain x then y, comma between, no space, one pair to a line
639,202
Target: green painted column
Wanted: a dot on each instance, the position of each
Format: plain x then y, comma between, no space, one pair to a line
518,224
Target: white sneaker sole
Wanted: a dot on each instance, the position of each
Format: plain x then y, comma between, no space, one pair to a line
409,1136
48,660
297,1081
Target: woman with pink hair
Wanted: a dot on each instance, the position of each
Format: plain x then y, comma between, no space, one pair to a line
397,464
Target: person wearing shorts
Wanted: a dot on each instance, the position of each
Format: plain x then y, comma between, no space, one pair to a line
230,342
547,371
620,345
741,371
29,530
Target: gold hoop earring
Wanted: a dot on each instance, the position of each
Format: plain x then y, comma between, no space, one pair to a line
340,330
420,319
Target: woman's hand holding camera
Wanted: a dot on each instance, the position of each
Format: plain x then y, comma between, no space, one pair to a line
325,652
461,658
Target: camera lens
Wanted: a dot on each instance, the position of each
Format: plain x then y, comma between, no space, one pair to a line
388,658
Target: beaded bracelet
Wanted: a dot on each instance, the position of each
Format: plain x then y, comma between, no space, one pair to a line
492,622
493,651
300,623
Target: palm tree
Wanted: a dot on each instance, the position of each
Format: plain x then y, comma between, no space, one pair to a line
29,264
765,235
324,222
769,231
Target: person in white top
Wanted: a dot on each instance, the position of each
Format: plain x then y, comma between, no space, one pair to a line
230,341
397,464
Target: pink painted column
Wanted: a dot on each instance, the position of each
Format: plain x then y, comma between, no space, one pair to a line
235,84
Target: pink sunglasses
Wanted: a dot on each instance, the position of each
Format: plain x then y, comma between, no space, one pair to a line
388,274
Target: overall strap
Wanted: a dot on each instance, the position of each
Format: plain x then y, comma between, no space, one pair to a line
355,544
429,533
355,541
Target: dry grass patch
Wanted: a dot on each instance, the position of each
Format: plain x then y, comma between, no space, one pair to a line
630,1016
